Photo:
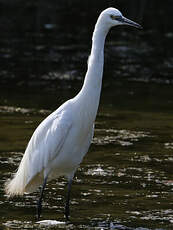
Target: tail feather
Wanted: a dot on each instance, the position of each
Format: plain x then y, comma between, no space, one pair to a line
23,180
16,186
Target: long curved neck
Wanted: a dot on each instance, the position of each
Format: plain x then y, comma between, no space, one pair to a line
90,92
89,96
93,78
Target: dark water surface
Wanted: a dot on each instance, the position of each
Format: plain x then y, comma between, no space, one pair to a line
44,41
124,182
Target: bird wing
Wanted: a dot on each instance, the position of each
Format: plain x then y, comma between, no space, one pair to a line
46,142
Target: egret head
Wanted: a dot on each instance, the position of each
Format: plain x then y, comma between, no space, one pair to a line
114,17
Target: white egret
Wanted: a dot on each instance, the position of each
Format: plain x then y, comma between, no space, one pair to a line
60,142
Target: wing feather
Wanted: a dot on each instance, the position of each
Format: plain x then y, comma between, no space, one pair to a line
44,145
47,141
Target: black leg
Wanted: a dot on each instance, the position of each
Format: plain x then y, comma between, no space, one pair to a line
67,209
39,205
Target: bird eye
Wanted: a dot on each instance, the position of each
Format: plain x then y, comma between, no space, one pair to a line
114,17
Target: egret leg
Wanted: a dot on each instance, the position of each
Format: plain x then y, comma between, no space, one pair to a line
39,204
67,208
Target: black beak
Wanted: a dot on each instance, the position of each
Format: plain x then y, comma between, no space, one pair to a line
129,22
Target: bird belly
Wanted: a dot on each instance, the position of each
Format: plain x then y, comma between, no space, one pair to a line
71,154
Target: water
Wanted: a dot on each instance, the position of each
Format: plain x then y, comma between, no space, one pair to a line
124,182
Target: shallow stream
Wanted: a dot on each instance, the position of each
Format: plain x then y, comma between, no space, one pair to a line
124,182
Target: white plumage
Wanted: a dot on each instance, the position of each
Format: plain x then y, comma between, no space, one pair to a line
60,142
56,148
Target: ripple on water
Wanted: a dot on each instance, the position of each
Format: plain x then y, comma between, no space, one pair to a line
169,146
44,224
13,109
117,226
10,159
159,215
100,171
121,137
16,224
